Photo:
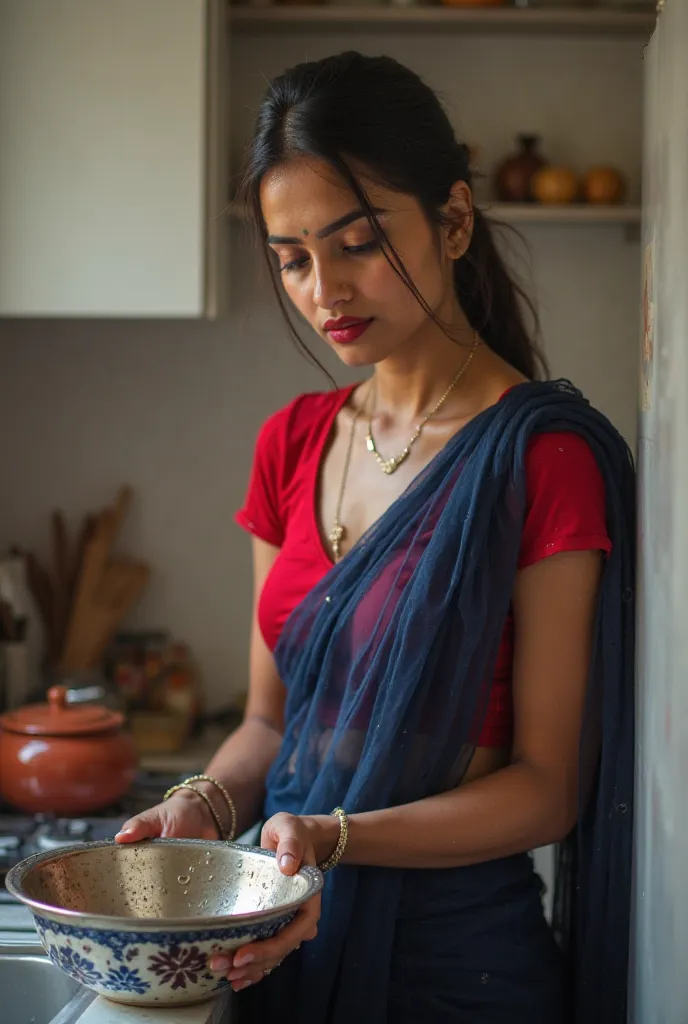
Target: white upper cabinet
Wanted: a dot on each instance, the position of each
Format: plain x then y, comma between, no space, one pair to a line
113,176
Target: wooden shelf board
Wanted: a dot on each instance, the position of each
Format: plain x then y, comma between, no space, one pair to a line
572,213
499,20
536,213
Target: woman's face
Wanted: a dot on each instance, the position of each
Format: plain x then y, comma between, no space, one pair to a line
334,271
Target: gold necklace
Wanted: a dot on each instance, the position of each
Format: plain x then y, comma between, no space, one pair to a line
389,466
338,531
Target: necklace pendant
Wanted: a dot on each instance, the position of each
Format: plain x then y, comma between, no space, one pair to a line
391,465
335,537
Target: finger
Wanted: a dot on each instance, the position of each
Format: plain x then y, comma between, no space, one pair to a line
290,849
303,928
251,977
220,963
282,833
268,952
276,826
143,826
245,982
268,836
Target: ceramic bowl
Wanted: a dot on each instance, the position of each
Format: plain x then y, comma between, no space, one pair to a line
137,923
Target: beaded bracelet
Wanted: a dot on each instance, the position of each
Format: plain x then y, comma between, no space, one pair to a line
339,849
213,813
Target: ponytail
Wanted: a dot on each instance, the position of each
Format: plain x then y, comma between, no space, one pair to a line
495,304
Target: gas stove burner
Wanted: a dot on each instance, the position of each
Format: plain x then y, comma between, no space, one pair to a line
9,845
23,835
53,835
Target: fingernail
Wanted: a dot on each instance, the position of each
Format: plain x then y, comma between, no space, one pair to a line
220,963
286,860
125,831
241,984
241,961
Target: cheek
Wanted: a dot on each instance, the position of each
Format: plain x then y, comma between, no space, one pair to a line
431,278
400,300
299,291
382,286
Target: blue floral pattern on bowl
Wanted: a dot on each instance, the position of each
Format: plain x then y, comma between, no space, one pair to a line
146,968
123,979
76,966
113,917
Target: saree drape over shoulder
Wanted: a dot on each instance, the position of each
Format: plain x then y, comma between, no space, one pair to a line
387,664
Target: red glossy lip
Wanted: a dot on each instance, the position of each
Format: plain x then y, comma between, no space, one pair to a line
343,322
347,329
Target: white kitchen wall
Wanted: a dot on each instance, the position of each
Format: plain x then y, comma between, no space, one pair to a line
173,407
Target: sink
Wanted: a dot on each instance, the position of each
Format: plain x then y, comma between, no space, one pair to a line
32,991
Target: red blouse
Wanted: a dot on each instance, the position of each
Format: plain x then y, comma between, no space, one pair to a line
565,512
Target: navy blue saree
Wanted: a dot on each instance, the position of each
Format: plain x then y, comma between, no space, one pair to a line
387,664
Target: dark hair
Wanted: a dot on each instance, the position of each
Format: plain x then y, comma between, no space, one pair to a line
381,115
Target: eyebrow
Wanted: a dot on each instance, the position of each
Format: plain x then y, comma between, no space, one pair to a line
325,232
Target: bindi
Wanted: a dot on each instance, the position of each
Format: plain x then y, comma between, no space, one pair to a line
305,232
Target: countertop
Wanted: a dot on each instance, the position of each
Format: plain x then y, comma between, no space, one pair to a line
102,1011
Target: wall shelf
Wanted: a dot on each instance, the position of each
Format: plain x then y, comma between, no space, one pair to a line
571,213
573,21
535,213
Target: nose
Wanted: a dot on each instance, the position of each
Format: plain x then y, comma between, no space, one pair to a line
331,285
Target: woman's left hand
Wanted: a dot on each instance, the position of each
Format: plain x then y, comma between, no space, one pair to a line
296,841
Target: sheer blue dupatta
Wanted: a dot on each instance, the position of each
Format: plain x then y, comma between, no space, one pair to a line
388,664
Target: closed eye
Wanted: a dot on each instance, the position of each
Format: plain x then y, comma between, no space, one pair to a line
351,250
293,265
358,250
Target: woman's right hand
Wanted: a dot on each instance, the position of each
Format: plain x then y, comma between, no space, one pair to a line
183,816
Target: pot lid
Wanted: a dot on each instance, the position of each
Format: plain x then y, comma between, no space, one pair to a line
59,718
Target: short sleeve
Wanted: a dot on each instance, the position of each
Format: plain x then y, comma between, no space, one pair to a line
261,512
566,508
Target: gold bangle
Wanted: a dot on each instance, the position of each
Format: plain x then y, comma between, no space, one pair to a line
226,797
206,799
333,860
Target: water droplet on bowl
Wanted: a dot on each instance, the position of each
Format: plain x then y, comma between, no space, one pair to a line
210,877
186,893
183,879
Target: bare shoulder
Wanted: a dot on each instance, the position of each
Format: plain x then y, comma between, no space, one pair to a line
492,378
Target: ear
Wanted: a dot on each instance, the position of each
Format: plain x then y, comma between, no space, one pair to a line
459,212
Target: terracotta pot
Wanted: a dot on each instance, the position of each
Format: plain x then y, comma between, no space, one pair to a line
514,175
555,185
604,185
64,759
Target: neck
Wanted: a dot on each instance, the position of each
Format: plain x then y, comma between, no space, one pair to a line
407,384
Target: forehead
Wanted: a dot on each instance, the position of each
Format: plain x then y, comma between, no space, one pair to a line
307,195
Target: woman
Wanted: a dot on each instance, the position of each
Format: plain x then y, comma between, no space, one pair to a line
442,632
